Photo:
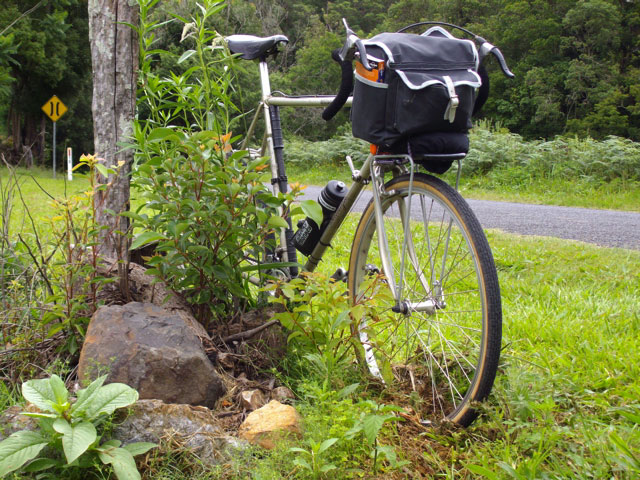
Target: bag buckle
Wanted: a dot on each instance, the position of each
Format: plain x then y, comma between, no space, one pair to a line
454,101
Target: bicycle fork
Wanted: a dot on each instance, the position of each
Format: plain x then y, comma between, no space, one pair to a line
408,253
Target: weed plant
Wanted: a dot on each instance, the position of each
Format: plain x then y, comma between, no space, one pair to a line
204,204
48,271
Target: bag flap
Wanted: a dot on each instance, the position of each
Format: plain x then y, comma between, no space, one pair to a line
423,60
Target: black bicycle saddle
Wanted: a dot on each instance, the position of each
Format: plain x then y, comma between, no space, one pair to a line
250,46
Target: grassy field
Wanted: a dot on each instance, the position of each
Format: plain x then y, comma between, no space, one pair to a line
566,400
565,403
36,189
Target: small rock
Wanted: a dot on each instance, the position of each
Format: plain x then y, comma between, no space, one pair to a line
282,394
252,399
195,428
270,423
226,360
12,420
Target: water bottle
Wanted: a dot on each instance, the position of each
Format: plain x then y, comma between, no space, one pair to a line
308,234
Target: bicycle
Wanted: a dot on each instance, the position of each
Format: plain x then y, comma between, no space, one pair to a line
440,336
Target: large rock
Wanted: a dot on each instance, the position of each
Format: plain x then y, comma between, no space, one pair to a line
147,289
270,423
194,428
151,350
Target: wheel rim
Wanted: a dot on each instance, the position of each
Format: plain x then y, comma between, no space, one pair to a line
439,356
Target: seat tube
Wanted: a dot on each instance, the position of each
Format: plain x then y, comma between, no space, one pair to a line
266,93
275,146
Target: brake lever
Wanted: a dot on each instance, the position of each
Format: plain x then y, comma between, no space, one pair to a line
347,52
487,48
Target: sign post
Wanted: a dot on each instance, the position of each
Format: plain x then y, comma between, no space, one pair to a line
54,109
69,164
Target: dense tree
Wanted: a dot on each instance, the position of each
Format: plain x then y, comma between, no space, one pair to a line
46,53
577,61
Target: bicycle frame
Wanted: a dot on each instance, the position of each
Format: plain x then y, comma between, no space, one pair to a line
272,145
269,147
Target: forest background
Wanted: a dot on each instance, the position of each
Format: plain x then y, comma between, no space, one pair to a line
577,63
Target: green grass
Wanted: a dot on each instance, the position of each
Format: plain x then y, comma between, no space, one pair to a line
32,187
613,195
565,403
566,400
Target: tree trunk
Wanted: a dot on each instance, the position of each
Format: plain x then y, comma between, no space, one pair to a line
114,55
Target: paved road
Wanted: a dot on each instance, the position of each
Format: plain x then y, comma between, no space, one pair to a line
609,228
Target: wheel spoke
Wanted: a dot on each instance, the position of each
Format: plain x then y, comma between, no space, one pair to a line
438,343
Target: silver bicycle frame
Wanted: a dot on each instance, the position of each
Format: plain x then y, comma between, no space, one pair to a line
360,180
267,148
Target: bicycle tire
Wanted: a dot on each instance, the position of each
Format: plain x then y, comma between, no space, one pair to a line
448,356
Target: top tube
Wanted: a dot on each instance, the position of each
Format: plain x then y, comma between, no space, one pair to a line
303,101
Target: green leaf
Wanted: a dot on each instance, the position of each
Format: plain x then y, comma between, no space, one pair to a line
485,472
348,390
110,397
158,134
342,320
18,449
186,55
277,222
102,169
132,215
145,238
313,210
85,395
40,393
114,442
301,462
59,389
371,425
122,462
39,415
327,467
76,439
326,444
41,464
138,448
298,450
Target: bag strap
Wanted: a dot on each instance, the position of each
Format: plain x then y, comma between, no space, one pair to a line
454,101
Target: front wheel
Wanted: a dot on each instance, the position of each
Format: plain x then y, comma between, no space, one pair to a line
437,338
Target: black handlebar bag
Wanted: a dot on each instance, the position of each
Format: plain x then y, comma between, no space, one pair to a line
421,84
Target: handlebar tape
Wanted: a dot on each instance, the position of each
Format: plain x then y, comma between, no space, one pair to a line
346,87
483,91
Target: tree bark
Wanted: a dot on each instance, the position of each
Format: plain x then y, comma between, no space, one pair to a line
115,59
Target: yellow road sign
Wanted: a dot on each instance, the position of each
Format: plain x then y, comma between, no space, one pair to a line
54,108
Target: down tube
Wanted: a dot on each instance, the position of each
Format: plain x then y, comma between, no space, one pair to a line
338,217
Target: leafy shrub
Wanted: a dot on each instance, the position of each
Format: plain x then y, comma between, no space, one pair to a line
496,149
48,271
322,321
71,431
562,158
204,204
